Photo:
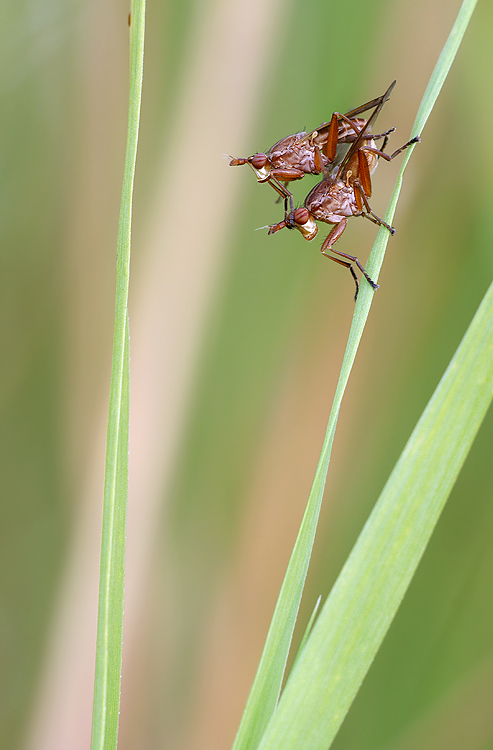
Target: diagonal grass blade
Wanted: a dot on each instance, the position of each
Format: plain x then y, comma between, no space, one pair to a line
265,691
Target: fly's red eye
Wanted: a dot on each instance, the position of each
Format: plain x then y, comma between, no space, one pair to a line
301,215
258,161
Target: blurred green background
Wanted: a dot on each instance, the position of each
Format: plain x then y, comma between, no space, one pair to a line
237,340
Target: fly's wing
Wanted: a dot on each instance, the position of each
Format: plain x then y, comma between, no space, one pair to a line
363,107
361,137
322,134
373,103
357,111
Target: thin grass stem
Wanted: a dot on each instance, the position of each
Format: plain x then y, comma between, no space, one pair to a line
112,573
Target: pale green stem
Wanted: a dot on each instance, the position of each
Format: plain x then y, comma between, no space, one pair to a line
112,575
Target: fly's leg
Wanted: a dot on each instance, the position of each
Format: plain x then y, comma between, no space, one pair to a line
353,127
388,157
346,265
385,137
284,194
382,135
329,242
361,200
348,121
277,176
354,259
281,198
330,146
376,220
317,160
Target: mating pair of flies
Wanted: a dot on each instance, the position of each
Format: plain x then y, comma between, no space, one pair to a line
344,150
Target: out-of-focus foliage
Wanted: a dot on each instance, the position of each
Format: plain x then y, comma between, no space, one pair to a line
257,350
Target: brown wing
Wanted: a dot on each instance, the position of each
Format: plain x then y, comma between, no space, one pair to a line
352,113
361,137
364,107
326,135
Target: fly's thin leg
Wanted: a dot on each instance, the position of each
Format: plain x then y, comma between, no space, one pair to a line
371,215
382,135
346,265
364,215
283,193
385,137
331,238
377,136
349,122
280,197
388,157
376,220
354,259
369,136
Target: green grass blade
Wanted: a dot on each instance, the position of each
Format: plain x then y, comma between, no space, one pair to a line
368,592
266,688
308,628
110,615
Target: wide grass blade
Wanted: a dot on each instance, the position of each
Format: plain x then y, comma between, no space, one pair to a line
265,691
110,615
368,592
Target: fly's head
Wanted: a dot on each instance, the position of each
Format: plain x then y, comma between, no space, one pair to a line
258,162
300,219
303,220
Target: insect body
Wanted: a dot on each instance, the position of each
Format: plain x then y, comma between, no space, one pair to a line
344,194
302,153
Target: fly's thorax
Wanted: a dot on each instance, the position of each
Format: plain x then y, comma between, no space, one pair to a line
284,151
295,151
307,160
329,199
